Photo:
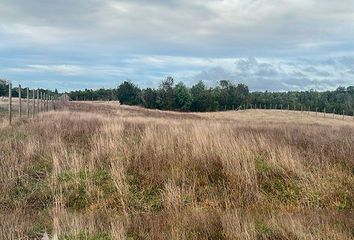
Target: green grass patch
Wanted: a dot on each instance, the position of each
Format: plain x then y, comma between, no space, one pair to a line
143,198
84,188
33,194
277,184
33,189
264,232
40,169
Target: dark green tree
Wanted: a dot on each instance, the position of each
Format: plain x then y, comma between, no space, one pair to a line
203,99
3,88
183,97
165,95
149,98
128,93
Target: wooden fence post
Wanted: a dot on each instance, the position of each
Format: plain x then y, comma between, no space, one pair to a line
20,100
10,102
44,102
47,102
33,103
28,104
41,101
38,103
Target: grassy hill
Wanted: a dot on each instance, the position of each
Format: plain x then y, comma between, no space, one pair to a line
103,171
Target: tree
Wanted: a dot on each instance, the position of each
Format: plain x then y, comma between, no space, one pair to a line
203,99
231,96
223,94
3,88
198,92
226,95
183,98
242,94
165,97
128,93
149,98
350,89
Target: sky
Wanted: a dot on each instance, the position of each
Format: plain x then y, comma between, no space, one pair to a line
274,45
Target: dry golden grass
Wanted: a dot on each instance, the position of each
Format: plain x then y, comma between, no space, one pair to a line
104,171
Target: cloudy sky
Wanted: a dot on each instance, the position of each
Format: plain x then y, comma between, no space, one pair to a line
267,44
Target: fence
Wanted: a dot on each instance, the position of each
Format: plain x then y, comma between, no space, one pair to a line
40,101
302,110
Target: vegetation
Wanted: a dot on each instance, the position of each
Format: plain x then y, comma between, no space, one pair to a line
4,90
225,96
200,98
102,171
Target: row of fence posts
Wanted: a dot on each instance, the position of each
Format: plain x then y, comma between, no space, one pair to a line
302,110
45,102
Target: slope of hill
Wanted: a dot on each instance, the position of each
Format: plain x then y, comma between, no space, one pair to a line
104,171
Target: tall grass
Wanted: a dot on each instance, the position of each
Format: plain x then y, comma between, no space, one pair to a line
99,171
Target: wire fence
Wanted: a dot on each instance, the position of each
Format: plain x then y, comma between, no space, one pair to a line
34,101
30,102
316,111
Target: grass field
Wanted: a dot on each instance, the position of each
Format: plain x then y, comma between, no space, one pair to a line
104,171
4,107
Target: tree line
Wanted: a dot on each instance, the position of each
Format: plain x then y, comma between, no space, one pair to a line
171,96
4,90
225,96
337,101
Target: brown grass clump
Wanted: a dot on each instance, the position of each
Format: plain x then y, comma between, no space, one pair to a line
103,171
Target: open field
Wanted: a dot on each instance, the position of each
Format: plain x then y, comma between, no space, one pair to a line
104,171
4,104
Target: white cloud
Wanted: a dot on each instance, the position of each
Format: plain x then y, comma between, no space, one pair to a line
72,70
208,26
280,74
248,40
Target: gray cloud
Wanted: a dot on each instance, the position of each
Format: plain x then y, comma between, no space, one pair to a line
242,40
197,27
275,75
